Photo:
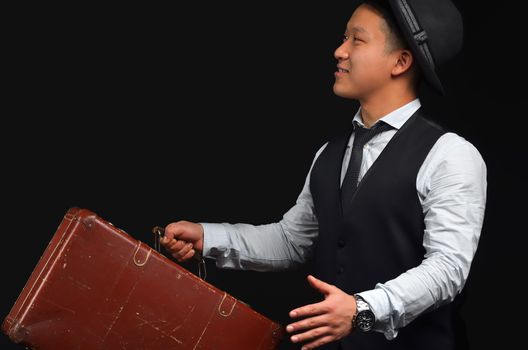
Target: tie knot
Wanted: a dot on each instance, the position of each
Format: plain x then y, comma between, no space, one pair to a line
363,135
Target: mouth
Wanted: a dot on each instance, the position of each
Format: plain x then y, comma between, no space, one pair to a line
342,70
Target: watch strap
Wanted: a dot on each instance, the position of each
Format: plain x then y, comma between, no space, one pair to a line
361,306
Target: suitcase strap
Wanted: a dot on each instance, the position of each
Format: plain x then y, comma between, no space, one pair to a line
159,233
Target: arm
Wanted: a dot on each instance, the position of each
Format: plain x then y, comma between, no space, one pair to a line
452,188
280,245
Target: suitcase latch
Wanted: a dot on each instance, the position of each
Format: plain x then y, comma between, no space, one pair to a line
224,309
140,260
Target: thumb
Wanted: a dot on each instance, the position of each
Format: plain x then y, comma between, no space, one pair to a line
319,285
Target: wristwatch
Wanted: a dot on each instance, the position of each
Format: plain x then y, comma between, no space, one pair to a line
364,318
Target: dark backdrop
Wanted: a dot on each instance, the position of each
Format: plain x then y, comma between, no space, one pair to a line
214,113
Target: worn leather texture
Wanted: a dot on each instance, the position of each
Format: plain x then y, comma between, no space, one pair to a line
96,287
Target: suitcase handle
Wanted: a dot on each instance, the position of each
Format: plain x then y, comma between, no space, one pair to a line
159,233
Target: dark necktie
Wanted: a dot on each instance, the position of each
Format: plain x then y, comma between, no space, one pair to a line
361,137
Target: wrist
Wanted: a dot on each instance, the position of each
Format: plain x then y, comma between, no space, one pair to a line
364,318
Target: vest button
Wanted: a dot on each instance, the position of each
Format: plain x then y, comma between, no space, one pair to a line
341,243
340,269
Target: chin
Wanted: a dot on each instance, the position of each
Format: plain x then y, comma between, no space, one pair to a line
342,92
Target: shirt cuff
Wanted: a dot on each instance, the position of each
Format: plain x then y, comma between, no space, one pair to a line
215,238
380,305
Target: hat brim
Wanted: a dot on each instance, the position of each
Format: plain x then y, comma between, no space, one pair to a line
428,71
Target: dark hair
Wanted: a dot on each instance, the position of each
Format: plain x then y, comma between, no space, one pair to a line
395,39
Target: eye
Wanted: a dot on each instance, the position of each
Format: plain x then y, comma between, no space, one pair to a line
354,38
357,40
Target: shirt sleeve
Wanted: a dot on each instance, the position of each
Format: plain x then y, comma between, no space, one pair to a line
281,245
451,185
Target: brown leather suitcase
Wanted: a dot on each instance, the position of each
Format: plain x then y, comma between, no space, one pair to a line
96,287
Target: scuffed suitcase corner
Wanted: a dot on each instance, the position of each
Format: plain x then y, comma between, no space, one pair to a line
53,325
20,333
88,220
7,325
14,330
86,217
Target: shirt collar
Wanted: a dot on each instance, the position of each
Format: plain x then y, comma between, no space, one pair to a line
396,118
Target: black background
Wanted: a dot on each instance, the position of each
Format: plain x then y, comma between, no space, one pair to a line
213,113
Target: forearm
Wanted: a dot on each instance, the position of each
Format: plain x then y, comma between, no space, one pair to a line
276,246
435,282
250,247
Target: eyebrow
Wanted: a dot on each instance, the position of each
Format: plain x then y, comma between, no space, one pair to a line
357,30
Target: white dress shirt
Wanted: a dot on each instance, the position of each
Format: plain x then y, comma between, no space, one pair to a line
451,186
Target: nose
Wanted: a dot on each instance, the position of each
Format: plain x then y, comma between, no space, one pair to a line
341,52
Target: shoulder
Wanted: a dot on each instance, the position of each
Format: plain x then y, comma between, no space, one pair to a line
452,144
452,153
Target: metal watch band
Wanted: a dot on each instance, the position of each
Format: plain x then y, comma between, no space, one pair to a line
364,308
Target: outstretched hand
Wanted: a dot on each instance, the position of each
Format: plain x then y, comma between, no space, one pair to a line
326,321
182,239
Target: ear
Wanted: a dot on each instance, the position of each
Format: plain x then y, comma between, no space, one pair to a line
404,61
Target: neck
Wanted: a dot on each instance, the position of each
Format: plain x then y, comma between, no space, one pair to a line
375,107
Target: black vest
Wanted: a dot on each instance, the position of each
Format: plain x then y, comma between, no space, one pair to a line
380,235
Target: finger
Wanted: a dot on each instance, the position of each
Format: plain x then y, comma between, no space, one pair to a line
307,323
182,252
187,256
164,240
321,286
313,334
309,310
168,234
319,342
167,238
175,246
166,243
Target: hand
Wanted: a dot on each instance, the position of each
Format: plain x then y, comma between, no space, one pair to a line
326,321
182,239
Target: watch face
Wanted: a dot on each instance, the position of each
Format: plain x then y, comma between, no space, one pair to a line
365,320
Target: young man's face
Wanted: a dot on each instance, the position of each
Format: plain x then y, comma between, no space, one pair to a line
364,62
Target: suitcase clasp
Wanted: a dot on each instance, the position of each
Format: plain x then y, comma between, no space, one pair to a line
138,259
223,309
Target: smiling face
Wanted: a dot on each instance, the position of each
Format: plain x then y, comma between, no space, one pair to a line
367,57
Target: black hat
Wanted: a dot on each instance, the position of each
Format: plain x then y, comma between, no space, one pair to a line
434,31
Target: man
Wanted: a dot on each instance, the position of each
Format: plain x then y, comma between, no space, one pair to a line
391,211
